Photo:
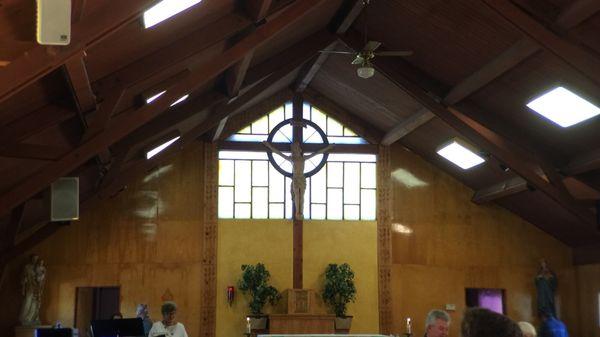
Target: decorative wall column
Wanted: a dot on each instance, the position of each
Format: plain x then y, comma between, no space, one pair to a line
209,260
384,243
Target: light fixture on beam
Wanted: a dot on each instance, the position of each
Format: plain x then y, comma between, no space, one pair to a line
563,107
181,99
154,97
166,9
166,142
460,153
365,71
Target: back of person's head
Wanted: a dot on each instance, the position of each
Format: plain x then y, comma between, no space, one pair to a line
436,323
527,329
141,310
116,315
479,322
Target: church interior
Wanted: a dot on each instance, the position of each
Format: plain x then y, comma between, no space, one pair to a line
445,151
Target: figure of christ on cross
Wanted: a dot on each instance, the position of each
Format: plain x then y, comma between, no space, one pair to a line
298,186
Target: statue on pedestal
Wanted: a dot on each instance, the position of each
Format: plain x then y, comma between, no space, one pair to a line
545,283
32,283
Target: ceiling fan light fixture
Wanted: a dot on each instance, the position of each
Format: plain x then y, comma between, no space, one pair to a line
365,71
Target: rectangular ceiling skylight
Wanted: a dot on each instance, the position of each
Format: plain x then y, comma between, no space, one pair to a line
153,98
563,107
460,155
181,99
166,9
161,147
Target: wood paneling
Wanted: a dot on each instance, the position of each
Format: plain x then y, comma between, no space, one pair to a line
148,240
456,244
588,291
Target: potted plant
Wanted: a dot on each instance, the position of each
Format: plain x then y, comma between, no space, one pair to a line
338,291
255,281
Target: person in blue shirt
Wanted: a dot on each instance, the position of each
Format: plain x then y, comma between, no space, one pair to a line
551,326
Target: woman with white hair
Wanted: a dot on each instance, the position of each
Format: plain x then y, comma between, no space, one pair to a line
527,329
168,327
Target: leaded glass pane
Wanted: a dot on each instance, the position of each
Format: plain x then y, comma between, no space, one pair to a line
335,176
242,211
260,204
226,172
260,176
334,204
351,183
242,181
368,175
225,202
351,212
367,204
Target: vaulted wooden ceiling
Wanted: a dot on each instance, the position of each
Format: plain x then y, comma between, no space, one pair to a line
79,110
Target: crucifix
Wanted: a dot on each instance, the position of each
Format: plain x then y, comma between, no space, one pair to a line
299,173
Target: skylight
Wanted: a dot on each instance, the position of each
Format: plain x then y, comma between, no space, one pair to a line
161,147
153,98
166,9
460,155
181,99
563,107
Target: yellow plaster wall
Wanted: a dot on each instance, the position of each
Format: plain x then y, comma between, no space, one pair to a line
354,242
270,242
249,242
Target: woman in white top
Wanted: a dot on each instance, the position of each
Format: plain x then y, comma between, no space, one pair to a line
168,327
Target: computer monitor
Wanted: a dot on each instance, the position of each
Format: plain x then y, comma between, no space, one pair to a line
127,327
51,332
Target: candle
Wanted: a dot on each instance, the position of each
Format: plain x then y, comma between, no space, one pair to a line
408,326
248,326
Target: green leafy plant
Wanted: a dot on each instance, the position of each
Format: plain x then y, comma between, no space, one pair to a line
255,281
339,288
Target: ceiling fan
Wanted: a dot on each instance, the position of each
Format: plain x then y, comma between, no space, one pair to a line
363,58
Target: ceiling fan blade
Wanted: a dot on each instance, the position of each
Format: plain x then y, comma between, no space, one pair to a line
372,45
358,60
336,52
395,53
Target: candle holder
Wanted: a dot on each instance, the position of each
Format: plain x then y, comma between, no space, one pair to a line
247,334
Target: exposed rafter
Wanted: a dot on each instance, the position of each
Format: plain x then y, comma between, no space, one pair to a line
127,122
338,148
41,60
585,63
79,83
310,69
570,17
583,163
514,55
267,74
362,128
500,190
494,143
347,14
407,126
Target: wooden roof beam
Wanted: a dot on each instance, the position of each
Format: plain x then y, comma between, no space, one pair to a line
362,128
343,19
125,123
583,163
274,72
570,17
79,83
581,60
310,69
494,143
41,60
257,9
500,190
407,126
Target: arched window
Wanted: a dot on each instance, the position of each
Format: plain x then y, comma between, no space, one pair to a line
251,187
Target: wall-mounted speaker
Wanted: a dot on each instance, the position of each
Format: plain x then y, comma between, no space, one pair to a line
54,22
64,199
